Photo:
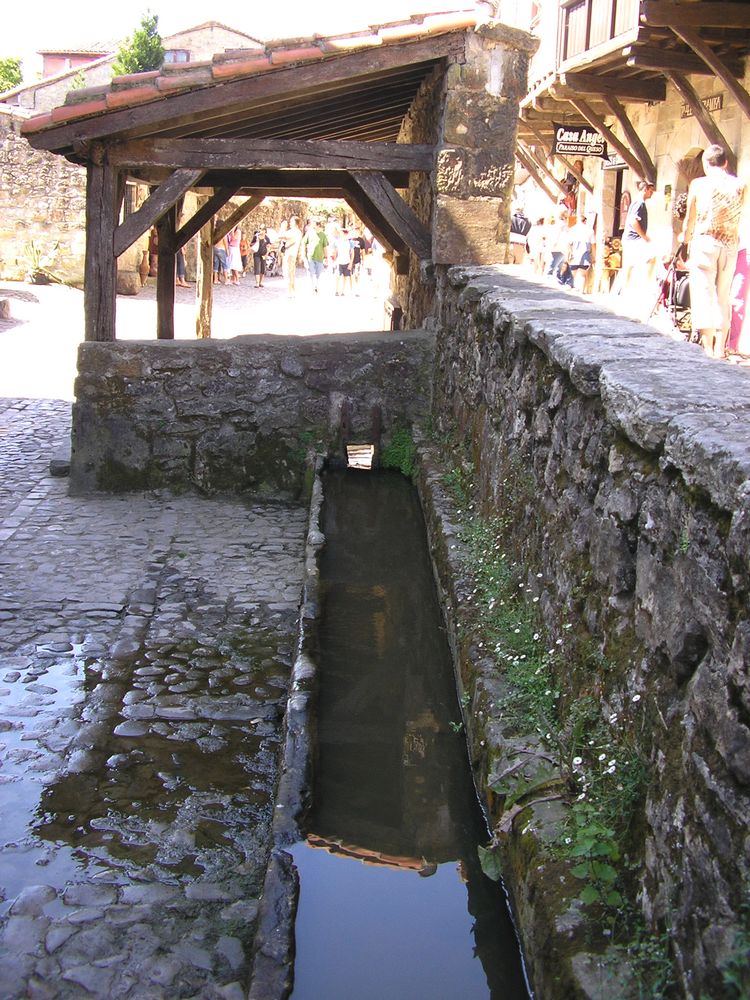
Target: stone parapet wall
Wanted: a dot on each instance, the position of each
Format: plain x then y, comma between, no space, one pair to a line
622,460
239,414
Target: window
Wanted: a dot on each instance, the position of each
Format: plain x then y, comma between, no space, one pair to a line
176,56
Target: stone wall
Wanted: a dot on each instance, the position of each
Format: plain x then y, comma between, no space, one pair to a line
621,459
239,414
42,202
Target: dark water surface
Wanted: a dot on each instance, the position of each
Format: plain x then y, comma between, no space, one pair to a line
393,902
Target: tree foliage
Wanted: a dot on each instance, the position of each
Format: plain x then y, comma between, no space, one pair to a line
142,51
10,74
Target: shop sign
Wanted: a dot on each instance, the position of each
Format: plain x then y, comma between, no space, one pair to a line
713,103
578,140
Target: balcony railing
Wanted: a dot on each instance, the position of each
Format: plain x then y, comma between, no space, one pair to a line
585,24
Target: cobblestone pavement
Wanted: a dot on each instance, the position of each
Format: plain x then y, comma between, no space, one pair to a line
145,649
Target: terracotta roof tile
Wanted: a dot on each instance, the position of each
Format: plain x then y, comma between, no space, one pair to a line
139,88
342,43
125,98
282,57
184,81
66,113
37,123
223,71
134,79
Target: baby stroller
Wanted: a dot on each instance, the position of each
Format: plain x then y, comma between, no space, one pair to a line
674,294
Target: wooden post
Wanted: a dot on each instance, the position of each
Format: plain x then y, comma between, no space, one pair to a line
165,275
100,275
204,289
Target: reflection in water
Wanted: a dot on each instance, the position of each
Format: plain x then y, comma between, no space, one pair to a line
394,798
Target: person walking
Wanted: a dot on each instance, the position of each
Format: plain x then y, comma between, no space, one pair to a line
714,211
234,258
259,249
315,247
638,254
292,241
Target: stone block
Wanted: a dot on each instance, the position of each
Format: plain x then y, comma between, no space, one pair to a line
128,283
467,230
4,308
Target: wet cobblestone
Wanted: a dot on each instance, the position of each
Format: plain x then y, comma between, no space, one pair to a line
145,649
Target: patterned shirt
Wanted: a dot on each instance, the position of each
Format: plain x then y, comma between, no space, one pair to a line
718,208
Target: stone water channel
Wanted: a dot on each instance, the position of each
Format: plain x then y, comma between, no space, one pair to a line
392,902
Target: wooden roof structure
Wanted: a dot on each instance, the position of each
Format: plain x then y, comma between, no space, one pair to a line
627,53
312,117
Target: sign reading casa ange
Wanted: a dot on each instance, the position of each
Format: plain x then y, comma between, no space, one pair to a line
578,140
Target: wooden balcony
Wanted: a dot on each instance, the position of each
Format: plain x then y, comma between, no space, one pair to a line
589,24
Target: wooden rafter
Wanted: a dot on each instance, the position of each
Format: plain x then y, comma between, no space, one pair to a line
617,111
160,201
222,228
563,159
258,154
668,14
543,168
597,122
186,108
528,163
709,57
396,213
710,129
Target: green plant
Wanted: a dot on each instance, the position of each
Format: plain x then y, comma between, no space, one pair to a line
39,259
400,453
736,970
10,73
142,51
456,727
595,847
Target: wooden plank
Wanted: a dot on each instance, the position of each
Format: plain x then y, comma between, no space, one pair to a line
597,122
100,268
392,207
222,228
616,109
664,61
206,212
709,127
530,166
257,154
624,88
260,180
165,275
668,14
189,107
709,57
165,196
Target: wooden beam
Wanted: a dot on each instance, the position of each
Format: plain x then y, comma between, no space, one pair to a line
597,122
617,111
362,207
204,289
222,228
709,127
165,196
528,163
285,154
188,107
563,159
259,180
709,57
165,274
624,88
206,211
399,215
665,61
100,269
542,166
668,14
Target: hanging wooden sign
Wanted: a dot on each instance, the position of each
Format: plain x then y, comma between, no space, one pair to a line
578,140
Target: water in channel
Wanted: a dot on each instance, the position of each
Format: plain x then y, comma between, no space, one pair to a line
393,903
